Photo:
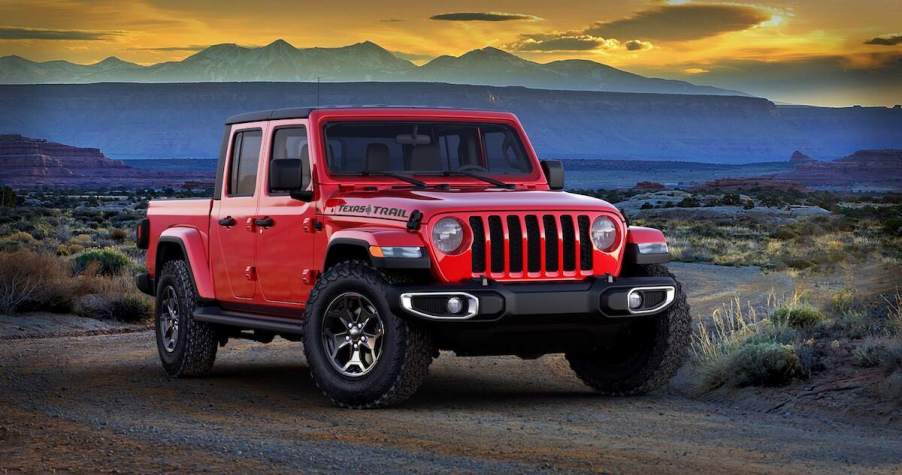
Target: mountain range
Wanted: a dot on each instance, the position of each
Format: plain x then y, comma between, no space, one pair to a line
361,62
148,121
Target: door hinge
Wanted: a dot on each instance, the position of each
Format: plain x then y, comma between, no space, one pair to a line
308,276
250,273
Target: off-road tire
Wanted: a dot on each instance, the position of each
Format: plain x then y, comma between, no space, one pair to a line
406,352
196,344
662,339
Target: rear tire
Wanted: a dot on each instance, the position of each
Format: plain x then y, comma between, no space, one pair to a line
349,294
646,355
186,347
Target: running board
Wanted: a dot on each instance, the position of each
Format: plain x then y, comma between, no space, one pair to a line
249,321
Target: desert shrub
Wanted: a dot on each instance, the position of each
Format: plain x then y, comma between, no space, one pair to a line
868,354
7,197
21,236
131,308
25,277
842,301
118,234
773,332
891,357
69,249
689,202
853,323
760,364
798,315
108,261
894,312
94,306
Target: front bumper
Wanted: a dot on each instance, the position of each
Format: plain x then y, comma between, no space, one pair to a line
491,301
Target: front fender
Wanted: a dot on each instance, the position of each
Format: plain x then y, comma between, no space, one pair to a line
366,238
645,246
194,251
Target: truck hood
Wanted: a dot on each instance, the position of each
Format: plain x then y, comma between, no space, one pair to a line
399,204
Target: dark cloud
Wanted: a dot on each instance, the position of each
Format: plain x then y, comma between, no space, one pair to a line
885,40
636,45
681,22
836,80
35,34
392,20
482,16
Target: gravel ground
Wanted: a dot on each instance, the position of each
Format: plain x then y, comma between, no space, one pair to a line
101,403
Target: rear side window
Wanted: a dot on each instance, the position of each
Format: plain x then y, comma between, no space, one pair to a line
244,161
290,142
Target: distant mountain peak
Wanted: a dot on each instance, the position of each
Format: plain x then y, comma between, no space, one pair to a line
113,61
280,43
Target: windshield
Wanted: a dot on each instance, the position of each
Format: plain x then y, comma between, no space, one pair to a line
425,148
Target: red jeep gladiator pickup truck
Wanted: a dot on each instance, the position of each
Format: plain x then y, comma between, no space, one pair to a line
380,236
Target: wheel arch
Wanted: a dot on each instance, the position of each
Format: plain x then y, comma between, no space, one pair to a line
355,244
187,244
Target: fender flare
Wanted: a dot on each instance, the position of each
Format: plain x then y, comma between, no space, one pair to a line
364,238
641,235
195,253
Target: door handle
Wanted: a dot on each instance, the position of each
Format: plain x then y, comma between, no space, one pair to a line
227,221
266,222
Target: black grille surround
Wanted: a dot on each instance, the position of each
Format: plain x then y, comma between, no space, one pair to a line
532,244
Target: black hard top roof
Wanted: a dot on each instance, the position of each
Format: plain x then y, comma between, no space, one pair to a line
304,112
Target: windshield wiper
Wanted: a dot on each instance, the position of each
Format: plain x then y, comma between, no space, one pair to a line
487,179
409,179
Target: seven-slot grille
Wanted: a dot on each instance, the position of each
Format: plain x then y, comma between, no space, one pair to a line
531,244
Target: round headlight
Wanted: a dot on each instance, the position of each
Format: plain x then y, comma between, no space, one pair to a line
604,233
448,235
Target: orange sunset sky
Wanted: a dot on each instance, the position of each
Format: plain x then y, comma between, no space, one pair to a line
817,52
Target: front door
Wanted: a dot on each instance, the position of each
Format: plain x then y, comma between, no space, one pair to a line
232,228
285,248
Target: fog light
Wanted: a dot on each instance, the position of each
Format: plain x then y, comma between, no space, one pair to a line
455,305
635,300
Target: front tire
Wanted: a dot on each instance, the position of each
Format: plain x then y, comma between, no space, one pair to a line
360,354
646,355
186,347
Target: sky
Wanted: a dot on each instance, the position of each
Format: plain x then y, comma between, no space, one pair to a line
824,52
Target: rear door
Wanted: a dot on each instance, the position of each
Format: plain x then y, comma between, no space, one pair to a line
285,248
232,228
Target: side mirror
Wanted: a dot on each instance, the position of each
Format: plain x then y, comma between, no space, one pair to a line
291,175
554,173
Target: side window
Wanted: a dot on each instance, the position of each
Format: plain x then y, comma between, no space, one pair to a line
503,152
243,163
290,143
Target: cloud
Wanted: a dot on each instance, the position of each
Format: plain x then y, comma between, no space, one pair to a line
174,48
885,40
558,42
483,16
681,22
36,34
636,45
392,20
572,41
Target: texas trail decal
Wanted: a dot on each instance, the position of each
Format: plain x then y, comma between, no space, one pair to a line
370,210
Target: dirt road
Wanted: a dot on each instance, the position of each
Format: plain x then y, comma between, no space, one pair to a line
101,403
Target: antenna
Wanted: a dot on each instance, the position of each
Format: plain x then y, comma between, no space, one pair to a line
317,90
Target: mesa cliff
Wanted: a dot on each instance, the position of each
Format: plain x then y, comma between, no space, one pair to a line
31,162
